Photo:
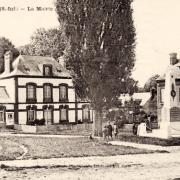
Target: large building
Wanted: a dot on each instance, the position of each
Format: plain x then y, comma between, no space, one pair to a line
36,87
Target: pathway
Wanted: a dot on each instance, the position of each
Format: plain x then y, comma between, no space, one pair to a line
121,160
147,146
39,135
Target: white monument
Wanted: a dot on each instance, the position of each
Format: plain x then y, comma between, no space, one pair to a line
168,99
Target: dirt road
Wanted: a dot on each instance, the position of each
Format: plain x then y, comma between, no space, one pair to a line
132,172
137,167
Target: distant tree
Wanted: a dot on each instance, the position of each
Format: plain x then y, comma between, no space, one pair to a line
101,50
151,83
6,45
26,49
51,42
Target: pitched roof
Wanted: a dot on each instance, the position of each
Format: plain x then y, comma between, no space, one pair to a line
33,65
161,78
144,97
4,96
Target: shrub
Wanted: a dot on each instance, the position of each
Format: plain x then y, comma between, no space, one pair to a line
39,122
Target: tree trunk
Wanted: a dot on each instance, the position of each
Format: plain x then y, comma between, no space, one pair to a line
97,124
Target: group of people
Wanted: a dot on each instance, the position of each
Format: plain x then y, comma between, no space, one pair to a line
147,119
110,130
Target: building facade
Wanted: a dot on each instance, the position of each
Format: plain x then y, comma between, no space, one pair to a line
39,88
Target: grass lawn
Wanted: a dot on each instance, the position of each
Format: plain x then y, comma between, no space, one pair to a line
43,147
9,149
150,140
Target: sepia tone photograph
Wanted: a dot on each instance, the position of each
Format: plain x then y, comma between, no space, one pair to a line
89,90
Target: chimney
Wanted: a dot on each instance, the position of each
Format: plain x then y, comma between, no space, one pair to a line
62,61
7,61
173,58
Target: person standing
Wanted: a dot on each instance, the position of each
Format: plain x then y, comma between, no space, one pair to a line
110,130
105,133
148,123
115,130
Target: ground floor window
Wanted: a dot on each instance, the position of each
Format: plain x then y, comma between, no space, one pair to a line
63,113
1,116
86,113
48,114
9,118
2,113
31,114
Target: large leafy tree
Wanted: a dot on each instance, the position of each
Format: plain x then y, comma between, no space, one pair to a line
6,45
44,42
101,50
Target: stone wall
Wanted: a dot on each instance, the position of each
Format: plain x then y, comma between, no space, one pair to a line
69,128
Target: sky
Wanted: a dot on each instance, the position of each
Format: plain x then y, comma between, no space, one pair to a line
156,22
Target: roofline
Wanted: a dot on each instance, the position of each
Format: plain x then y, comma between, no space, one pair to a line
163,80
35,76
160,80
22,56
37,56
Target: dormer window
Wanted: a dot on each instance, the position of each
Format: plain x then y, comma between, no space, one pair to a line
47,70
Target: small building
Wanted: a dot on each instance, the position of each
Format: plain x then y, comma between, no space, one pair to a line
131,105
142,97
36,88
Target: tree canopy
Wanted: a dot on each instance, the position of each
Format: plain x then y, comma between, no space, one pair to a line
44,42
101,47
6,45
151,83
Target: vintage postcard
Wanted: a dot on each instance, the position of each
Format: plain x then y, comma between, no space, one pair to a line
89,89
